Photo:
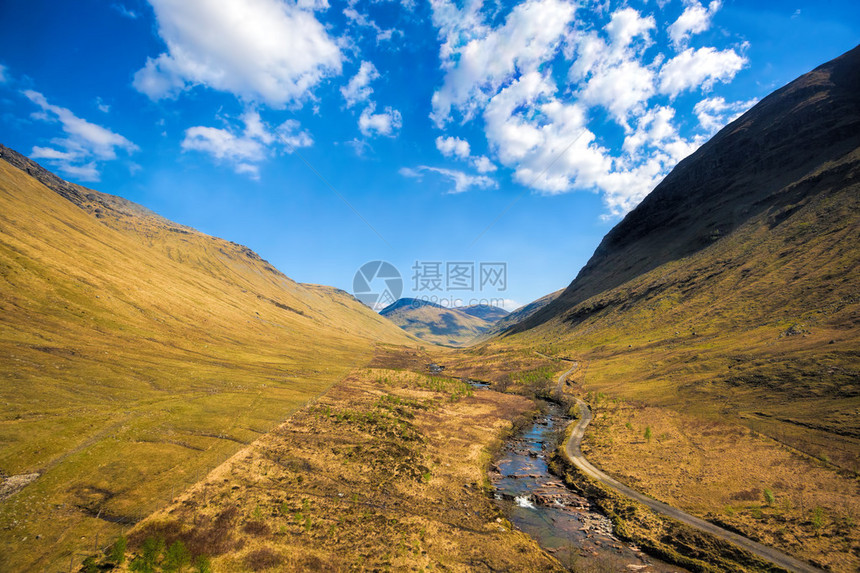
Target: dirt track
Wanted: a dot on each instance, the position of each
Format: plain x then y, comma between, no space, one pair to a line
574,453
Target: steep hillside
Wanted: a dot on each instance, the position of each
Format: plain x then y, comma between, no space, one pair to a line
519,315
722,316
435,323
744,259
135,353
485,311
767,163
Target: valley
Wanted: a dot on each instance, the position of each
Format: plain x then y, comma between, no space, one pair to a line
170,401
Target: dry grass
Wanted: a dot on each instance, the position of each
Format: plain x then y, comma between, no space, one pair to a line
135,355
743,358
384,472
730,475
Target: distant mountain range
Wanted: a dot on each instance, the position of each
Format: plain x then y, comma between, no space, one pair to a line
437,324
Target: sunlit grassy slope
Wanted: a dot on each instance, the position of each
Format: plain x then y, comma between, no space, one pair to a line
135,352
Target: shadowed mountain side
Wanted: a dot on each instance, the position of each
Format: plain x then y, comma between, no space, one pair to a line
435,323
752,165
519,315
485,311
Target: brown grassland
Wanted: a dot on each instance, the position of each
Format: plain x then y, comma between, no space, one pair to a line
386,471
732,476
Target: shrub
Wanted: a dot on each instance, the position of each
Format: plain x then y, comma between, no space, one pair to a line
117,550
648,433
89,565
817,518
150,552
769,497
202,565
177,558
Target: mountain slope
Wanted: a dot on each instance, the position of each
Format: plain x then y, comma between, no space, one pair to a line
747,252
485,311
519,315
729,298
438,324
136,353
760,163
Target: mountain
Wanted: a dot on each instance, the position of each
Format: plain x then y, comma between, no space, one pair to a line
722,316
485,311
734,284
438,324
520,314
136,353
767,163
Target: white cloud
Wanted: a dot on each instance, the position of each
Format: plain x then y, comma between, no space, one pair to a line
544,140
260,50
699,68
550,147
358,89
483,164
125,12
510,304
84,145
694,20
246,149
620,88
102,106
478,61
3,77
459,148
714,113
505,76
462,181
453,147
363,21
614,76
386,123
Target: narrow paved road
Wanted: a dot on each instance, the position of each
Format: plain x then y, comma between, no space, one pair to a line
574,454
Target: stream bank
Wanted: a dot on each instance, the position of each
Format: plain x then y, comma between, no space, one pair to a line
563,522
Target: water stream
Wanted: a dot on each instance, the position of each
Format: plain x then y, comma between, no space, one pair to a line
563,523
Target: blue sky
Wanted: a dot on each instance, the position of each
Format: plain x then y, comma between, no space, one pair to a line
325,134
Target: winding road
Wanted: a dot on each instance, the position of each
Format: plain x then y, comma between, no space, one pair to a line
574,454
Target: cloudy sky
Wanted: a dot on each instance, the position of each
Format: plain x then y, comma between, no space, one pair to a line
326,133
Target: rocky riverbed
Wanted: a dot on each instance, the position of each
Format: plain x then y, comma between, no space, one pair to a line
566,524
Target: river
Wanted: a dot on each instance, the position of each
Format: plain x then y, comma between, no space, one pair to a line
565,524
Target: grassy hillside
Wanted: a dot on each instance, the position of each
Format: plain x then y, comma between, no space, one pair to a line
438,324
727,304
135,353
